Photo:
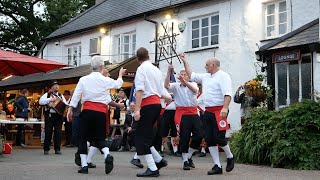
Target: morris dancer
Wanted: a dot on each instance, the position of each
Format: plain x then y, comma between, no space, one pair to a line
93,89
186,117
149,88
217,90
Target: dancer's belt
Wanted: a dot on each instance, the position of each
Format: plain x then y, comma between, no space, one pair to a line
222,123
95,106
180,111
154,99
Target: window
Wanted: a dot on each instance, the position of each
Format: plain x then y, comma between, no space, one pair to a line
95,46
74,55
205,32
293,81
126,46
276,19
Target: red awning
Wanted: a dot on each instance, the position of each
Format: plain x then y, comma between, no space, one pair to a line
20,65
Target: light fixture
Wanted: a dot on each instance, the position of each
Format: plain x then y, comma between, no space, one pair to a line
168,17
7,77
103,30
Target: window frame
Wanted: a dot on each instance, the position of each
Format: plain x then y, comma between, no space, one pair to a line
73,58
120,45
200,28
276,15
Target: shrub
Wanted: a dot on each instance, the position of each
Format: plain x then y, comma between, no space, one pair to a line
288,138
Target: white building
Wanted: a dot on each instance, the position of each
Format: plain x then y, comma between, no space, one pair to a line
230,30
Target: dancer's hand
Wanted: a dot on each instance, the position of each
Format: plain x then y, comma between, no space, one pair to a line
122,71
137,115
182,56
170,68
69,114
224,113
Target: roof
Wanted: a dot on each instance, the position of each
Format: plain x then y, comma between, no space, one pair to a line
112,11
307,34
61,74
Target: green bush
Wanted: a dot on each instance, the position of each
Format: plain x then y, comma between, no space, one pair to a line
289,138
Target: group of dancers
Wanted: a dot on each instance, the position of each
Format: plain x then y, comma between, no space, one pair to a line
94,92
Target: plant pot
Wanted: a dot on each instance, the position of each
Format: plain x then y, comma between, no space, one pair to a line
257,94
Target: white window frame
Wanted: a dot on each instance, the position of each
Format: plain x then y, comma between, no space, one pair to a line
122,54
200,31
276,19
288,82
98,44
74,55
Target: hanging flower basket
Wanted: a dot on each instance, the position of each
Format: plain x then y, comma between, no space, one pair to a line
256,89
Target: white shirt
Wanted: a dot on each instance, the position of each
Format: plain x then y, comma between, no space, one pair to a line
183,96
44,100
95,88
149,80
214,87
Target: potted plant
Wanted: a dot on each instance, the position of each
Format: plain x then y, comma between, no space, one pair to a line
257,89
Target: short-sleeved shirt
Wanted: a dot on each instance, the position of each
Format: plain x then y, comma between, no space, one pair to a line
183,96
214,87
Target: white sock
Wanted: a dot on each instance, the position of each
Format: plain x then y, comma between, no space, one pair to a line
136,156
88,144
175,148
150,161
91,153
185,157
227,151
105,152
190,152
83,160
203,150
214,151
155,154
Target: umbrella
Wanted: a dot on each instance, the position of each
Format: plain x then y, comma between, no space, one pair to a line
18,64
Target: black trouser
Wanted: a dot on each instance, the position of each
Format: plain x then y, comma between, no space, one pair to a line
68,130
19,135
213,136
128,139
190,124
168,125
144,132
53,123
92,128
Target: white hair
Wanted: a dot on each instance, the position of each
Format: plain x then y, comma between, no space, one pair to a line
96,62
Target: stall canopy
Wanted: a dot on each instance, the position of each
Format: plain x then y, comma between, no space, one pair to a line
18,64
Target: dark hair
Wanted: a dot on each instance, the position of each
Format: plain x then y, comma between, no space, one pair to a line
142,54
66,92
23,91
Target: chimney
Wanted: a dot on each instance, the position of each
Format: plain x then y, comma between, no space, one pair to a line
99,1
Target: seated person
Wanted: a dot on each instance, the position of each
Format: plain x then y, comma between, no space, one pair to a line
2,112
127,142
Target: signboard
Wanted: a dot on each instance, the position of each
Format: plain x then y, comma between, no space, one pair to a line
130,74
286,56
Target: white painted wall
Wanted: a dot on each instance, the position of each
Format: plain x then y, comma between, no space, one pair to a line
241,29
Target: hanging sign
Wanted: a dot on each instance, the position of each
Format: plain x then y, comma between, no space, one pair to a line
286,56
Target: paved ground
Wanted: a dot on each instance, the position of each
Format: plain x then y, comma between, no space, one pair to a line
32,164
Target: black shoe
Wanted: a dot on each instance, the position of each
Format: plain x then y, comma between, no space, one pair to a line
186,166
230,164
83,170
46,152
177,154
91,165
162,163
108,164
215,170
191,163
137,163
202,154
77,159
58,152
149,173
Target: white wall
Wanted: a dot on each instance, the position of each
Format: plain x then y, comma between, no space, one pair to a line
241,28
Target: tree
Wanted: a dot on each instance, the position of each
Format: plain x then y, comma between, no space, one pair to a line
24,30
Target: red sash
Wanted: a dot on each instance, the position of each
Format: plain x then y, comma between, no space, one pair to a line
222,123
95,106
154,99
180,111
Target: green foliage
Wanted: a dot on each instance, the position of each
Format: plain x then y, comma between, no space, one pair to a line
289,138
24,29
